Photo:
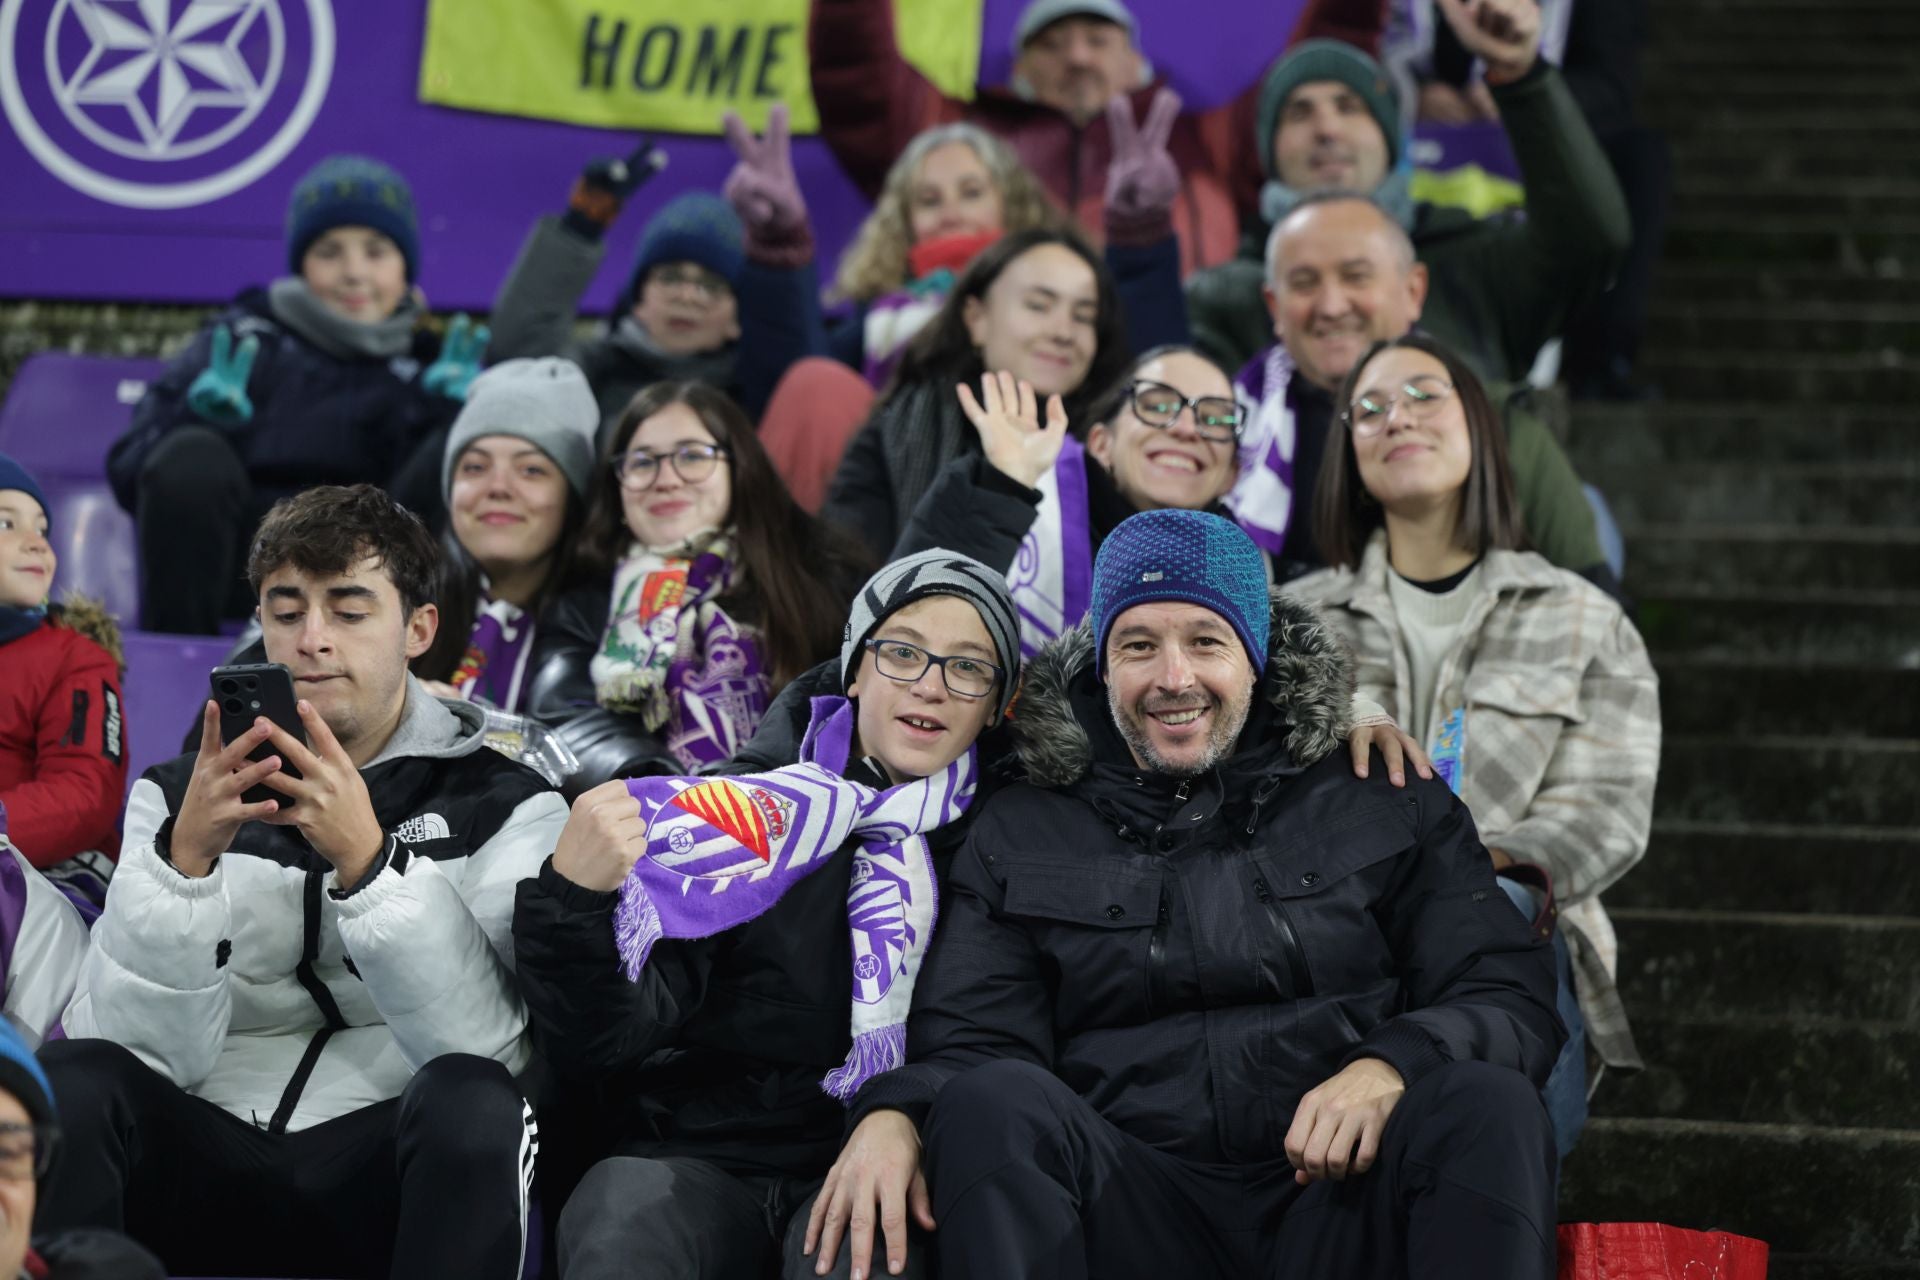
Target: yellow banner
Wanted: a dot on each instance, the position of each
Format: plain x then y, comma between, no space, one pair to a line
669,65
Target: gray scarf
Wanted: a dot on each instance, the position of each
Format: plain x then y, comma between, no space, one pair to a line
294,305
715,368
1394,194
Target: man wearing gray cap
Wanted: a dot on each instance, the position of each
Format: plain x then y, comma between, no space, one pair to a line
1081,92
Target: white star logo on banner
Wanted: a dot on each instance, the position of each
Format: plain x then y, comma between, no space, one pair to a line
160,67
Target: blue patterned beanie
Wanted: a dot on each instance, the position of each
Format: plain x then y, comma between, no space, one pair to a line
352,191
1189,556
695,227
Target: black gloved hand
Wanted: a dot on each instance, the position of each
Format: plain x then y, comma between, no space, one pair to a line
606,183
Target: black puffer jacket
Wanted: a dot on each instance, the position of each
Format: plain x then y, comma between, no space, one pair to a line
719,1050
1193,956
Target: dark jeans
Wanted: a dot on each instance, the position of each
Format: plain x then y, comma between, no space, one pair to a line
1605,333
196,511
687,1218
430,1184
1029,1180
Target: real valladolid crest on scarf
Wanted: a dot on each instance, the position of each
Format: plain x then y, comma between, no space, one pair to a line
722,851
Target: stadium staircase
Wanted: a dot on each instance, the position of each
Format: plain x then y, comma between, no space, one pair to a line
1770,942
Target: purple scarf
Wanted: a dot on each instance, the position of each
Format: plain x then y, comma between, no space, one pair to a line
495,664
1052,575
1262,498
722,851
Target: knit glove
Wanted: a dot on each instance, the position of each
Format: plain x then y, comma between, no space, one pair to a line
606,183
219,394
1142,179
763,190
459,362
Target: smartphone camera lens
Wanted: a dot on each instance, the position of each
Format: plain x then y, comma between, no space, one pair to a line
234,707
230,686
252,684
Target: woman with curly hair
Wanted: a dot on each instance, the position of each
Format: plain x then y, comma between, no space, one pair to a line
954,191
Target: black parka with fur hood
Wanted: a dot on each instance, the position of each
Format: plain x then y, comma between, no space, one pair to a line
1191,956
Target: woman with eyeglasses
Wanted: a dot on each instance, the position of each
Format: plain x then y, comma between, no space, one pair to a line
1039,305
1036,503
710,592
1527,684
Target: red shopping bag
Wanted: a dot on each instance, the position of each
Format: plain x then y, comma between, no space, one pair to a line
1655,1251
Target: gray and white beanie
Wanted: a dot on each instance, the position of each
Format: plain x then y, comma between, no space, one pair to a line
936,573
545,402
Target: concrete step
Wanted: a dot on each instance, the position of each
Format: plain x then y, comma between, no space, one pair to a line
1706,197
1881,495
1846,1192
1636,435
1787,327
1777,698
1776,867
1723,964
1665,557
1821,1266
1805,240
1812,629
1805,55
1790,778
1886,376
1737,91
1769,1071
1706,282
1838,156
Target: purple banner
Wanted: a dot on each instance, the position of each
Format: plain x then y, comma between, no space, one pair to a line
151,144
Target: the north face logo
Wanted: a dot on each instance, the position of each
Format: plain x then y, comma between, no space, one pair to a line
428,826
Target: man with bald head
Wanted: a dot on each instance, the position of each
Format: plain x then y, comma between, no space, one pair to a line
1329,119
1341,274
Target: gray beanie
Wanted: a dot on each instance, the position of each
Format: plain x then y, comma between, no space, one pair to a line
936,573
545,402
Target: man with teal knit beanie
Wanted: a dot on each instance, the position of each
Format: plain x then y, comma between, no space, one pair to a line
1203,1002
1329,119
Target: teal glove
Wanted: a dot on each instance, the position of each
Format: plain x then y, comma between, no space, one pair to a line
219,394
459,362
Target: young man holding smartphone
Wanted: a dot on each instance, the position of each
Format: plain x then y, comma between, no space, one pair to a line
296,1034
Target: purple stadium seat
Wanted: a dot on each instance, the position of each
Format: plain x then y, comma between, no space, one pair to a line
165,687
61,415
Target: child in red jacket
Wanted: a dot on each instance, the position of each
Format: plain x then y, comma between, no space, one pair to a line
63,760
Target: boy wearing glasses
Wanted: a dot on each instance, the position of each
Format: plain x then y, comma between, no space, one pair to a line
722,1029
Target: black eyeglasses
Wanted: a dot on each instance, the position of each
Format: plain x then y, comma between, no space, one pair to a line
1216,418
964,676
26,1150
640,469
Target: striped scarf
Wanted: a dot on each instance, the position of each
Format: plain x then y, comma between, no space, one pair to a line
721,852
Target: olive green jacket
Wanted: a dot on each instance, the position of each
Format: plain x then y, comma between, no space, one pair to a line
1498,287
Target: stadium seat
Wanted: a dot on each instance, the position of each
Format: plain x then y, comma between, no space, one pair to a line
61,415
165,686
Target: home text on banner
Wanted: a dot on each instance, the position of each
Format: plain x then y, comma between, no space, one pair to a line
662,64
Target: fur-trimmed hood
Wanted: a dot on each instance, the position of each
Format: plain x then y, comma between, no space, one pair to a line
89,617
1308,682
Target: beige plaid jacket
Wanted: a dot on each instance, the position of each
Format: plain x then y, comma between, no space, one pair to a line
1562,741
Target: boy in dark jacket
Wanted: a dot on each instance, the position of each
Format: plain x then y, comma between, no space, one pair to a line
1203,1003
714,1062
322,377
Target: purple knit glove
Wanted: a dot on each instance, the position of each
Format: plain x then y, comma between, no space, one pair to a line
1142,179
764,192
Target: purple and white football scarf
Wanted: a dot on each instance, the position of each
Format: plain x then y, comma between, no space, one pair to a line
1051,578
721,851
1262,498
494,666
672,654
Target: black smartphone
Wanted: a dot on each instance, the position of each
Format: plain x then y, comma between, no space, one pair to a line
244,694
